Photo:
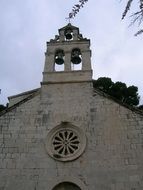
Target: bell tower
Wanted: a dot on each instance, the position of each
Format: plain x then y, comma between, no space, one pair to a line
68,57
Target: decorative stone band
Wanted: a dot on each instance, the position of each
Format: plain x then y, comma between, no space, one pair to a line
65,142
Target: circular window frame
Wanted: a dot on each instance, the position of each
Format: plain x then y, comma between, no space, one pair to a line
68,127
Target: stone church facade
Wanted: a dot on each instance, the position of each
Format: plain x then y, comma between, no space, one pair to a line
66,135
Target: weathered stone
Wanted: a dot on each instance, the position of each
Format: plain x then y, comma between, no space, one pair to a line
112,156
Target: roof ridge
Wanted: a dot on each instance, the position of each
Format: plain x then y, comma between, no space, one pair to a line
24,93
99,91
19,103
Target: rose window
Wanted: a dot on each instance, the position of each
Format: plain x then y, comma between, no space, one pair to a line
65,142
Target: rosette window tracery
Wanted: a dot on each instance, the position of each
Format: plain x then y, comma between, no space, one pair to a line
66,142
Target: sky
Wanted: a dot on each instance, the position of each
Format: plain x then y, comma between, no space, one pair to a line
27,25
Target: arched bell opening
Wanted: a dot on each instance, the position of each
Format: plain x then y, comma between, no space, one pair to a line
68,34
66,186
59,60
76,59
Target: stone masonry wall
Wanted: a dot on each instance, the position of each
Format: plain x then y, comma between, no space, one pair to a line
116,146
113,156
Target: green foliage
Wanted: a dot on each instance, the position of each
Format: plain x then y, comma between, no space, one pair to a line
141,107
2,107
103,83
132,97
119,90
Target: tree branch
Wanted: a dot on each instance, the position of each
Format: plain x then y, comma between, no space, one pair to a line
76,9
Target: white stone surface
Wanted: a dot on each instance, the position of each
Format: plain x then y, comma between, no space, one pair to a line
112,159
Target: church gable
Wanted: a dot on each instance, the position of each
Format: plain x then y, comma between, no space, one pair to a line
66,135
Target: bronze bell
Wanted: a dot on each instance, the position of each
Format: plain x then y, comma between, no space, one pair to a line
59,58
68,34
75,59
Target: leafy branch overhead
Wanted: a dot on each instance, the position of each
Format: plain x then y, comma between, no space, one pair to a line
137,17
76,8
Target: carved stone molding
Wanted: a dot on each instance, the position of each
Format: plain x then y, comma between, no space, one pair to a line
65,142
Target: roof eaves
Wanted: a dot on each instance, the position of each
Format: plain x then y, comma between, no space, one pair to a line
19,103
134,109
24,93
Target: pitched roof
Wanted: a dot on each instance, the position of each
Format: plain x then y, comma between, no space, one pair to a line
69,26
132,108
32,94
23,93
